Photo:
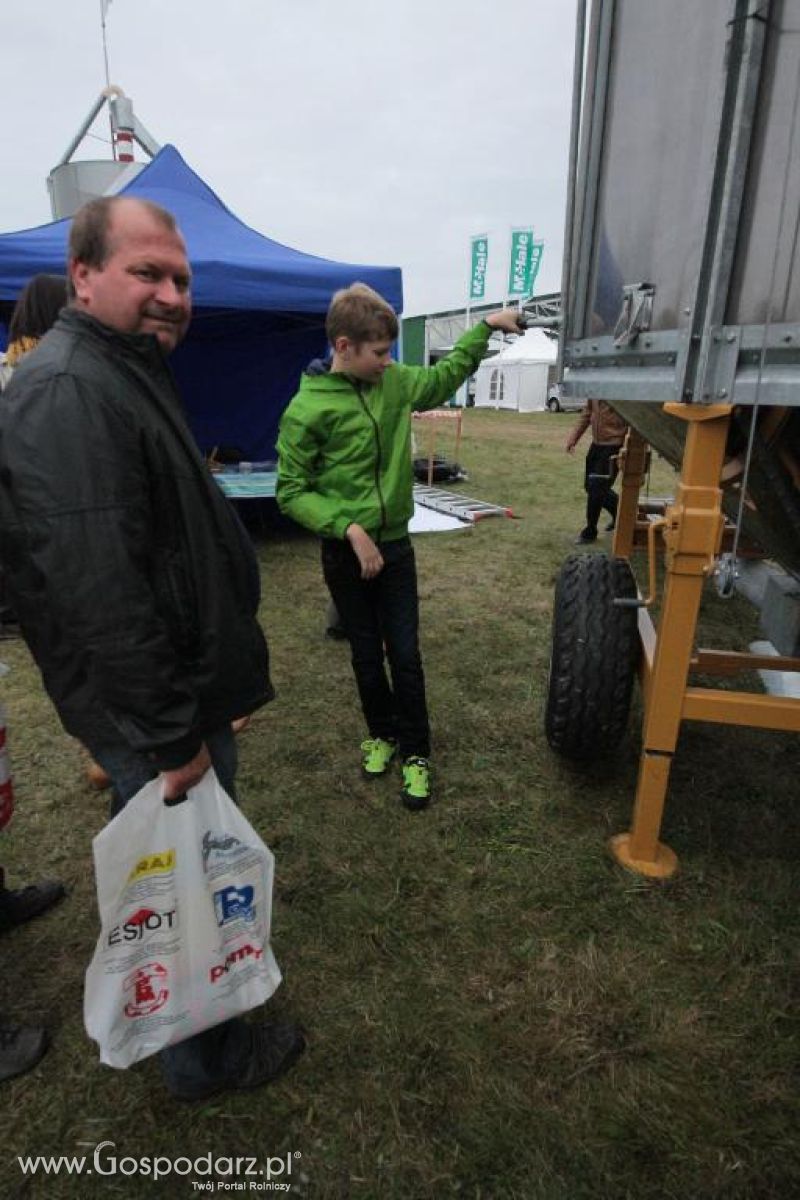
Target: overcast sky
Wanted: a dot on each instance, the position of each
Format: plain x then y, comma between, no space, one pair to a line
360,130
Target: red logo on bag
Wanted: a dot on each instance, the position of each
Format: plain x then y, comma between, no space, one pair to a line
149,992
236,956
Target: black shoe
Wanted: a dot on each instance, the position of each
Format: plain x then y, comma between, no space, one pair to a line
21,1047
17,907
611,526
274,1049
585,536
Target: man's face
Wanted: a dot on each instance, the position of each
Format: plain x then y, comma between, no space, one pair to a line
368,360
144,285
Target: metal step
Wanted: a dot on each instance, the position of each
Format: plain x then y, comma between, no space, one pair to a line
457,505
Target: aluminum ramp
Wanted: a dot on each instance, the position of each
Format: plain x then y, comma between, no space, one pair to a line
458,505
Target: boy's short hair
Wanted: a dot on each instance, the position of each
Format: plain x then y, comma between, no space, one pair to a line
359,313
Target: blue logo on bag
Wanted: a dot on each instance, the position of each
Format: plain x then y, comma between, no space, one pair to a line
234,904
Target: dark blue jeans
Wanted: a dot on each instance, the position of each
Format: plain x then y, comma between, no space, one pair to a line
221,1052
381,619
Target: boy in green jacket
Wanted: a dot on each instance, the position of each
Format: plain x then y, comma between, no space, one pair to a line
345,472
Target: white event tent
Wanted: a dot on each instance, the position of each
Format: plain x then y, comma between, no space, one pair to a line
519,377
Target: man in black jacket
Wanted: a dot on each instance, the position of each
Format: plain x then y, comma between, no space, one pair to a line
135,584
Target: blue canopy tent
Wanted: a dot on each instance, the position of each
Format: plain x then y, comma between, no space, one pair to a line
259,307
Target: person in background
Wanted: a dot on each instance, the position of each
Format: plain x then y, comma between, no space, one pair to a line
35,312
22,1046
345,472
135,584
608,434
38,305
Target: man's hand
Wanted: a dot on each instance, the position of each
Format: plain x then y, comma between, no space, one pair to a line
365,551
570,447
178,781
507,319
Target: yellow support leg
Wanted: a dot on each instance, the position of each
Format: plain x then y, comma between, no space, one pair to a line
633,468
641,851
692,534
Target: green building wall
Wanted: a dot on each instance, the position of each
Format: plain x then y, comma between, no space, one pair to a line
413,330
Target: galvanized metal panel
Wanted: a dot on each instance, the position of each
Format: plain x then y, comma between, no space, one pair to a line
766,279
693,121
665,91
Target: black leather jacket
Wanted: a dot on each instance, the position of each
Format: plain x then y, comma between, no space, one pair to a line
134,582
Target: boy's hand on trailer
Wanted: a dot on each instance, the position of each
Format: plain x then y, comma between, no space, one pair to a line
510,320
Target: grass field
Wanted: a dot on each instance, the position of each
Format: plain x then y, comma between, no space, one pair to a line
494,1010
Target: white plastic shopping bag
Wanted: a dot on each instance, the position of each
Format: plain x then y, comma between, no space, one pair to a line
185,899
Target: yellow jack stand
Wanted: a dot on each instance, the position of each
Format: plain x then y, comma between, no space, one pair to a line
692,534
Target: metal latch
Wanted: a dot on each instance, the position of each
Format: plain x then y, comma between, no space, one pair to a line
636,312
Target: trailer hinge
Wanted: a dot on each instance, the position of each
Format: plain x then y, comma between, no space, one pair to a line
636,312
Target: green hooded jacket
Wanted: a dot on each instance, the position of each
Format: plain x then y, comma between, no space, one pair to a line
344,448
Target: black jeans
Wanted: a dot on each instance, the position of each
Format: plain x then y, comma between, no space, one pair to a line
383,613
599,476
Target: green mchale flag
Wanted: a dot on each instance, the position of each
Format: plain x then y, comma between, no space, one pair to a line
519,265
479,257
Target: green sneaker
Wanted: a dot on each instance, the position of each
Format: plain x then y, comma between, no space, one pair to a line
416,791
376,756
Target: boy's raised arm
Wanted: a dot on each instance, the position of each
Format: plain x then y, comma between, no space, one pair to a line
432,386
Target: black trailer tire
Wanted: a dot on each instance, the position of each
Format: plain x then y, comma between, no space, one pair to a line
594,657
553,405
